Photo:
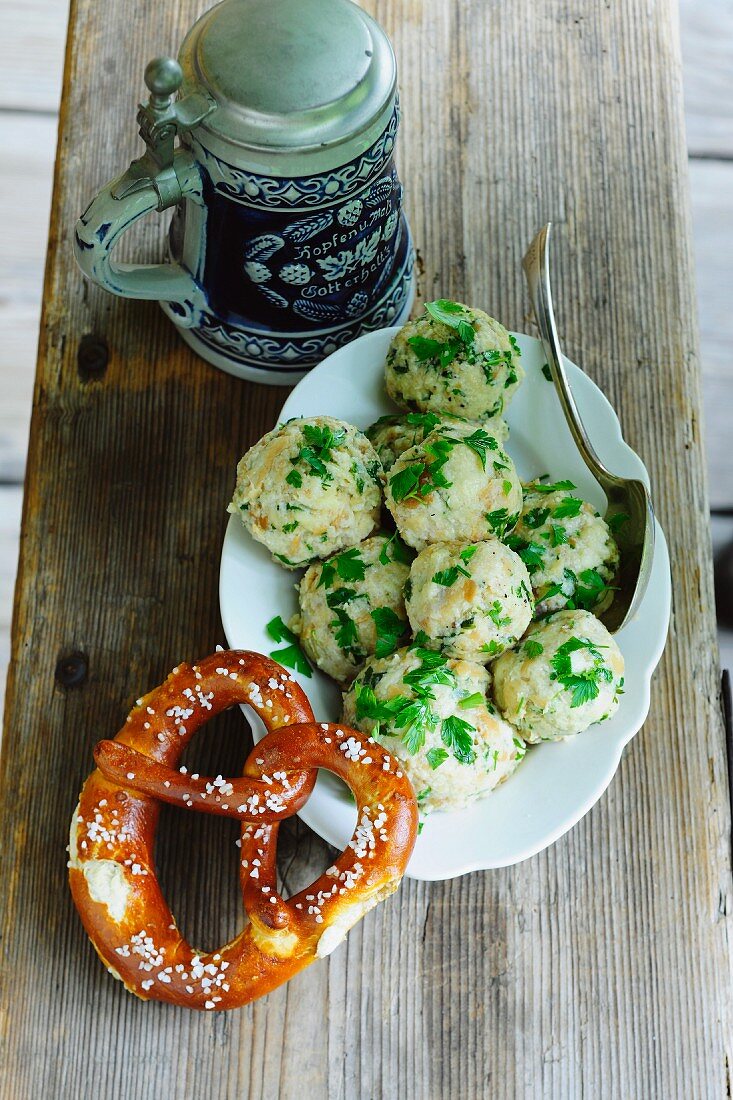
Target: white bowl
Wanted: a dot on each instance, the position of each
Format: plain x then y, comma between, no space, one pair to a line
557,783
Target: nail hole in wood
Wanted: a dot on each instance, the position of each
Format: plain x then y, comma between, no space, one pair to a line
72,670
92,357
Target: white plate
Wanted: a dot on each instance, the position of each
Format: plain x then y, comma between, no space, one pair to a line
557,783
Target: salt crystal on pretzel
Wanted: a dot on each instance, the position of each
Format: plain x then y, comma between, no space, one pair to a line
111,869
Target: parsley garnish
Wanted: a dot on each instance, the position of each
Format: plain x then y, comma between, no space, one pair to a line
535,517
318,450
582,685
495,614
532,556
547,372
395,550
454,315
349,566
533,648
569,506
557,534
447,577
406,483
292,655
346,634
500,521
390,628
475,700
426,349
550,486
479,442
455,733
435,757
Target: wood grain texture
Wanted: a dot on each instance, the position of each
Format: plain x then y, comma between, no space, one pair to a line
600,968
28,143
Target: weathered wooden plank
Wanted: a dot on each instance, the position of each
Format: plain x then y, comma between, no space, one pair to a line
707,54
11,500
31,54
711,186
600,967
28,143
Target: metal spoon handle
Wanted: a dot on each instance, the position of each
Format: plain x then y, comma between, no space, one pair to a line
536,266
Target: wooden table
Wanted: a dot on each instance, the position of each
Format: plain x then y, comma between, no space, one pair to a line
600,968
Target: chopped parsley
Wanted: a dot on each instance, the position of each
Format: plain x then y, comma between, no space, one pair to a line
547,372
447,577
455,316
390,629
395,550
348,566
535,517
316,453
550,486
475,700
568,506
495,614
436,757
406,483
292,655
584,686
500,521
533,648
456,735
346,634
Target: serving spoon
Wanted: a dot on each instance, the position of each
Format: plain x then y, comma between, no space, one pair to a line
626,497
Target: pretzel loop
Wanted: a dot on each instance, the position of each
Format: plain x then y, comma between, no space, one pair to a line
111,867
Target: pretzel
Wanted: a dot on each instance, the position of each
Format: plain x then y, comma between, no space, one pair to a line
111,868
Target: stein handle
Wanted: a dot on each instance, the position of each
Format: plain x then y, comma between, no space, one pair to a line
159,179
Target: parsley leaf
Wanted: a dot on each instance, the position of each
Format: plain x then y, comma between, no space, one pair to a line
294,479
582,685
390,628
590,588
480,442
533,648
349,566
436,757
426,349
569,506
532,555
475,700
406,483
500,521
455,733
395,550
550,486
535,517
346,634
447,577
454,315
292,655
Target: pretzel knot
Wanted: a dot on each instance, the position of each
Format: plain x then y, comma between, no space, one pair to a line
111,865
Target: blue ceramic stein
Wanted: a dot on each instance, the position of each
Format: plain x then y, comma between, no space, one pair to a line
288,237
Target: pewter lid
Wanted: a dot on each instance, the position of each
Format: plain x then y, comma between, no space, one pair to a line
289,75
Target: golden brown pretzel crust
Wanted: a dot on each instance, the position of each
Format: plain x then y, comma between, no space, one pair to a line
111,869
